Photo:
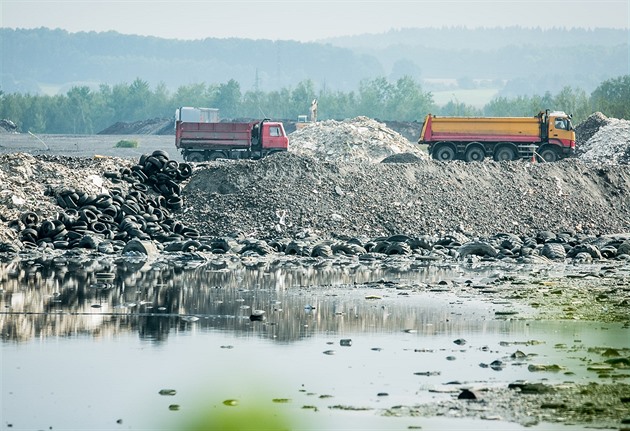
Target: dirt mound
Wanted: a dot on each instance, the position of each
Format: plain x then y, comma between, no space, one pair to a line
154,126
587,128
357,139
291,195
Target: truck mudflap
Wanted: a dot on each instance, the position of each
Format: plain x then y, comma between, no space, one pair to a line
565,147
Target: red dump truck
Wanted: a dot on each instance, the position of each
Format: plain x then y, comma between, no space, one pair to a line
548,136
200,136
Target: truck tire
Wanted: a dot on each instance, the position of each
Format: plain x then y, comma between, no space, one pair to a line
444,152
216,155
548,154
195,156
504,153
554,251
475,153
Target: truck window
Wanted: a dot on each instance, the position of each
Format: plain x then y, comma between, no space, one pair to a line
274,131
561,123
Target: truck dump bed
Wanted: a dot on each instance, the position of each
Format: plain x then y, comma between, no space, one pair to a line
481,129
232,135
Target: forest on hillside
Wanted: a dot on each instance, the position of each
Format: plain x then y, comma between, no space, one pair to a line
515,61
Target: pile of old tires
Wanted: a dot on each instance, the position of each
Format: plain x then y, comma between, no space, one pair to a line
108,221
544,246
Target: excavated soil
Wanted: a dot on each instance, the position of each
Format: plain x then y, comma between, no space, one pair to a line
289,194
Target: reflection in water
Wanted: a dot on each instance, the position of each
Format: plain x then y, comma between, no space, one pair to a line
413,339
79,293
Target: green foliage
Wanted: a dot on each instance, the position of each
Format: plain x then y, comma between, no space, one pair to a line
85,111
126,143
612,97
232,416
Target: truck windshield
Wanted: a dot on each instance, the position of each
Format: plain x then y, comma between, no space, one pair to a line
562,123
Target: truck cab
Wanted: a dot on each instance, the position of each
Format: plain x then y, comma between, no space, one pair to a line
272,136
560,136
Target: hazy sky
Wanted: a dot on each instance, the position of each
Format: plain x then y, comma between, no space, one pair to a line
303,20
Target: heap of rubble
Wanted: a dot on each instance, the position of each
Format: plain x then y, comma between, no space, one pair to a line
603,140
360,139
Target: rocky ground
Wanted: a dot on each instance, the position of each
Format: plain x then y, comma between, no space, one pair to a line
331,184
289,194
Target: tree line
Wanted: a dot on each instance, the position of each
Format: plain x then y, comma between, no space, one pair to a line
85,111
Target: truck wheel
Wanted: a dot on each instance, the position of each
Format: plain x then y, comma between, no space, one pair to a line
216,155
504,154
549,154
195,157
444,153
475,154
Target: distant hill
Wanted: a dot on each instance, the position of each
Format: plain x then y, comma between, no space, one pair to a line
535,59
34,60
512,60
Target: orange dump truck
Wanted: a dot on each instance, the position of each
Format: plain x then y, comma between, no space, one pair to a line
549,136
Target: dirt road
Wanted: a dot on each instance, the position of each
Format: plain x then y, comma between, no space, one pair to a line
86,145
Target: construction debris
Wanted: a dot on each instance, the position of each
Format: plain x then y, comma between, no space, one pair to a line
360,139
603,140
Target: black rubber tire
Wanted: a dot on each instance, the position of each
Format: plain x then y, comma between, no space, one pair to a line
160,153
475,154
190,245
477,248
153,164
216,155
444,153
399,248
174,203
380,247
549,154
103,201
88,216
554,251
195,157
184,171
322,250
504,154
191,233
29,218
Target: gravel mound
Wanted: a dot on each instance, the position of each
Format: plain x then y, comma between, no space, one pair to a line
360,139
587,128
293,195
610,144
154,126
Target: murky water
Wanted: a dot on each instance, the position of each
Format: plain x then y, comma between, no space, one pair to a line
89,343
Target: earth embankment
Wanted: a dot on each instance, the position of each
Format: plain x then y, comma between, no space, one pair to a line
294,195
